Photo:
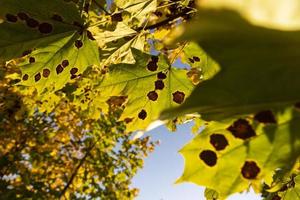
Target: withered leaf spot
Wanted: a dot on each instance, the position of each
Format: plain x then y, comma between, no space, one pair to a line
250,170
196,59
45,28
74,70
178,97
22,16
117,17
161,75
11,18
25,77
78,44
90,35
208,157
116,101
154,58
73,76
65,63
37,77
46,73
59,69
32,23
142,114
152,95
218,141
265,116
31,60
27,52
242,129
159,85
128,120
56,17
152,66
191,60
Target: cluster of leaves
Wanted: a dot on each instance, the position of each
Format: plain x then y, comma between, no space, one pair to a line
251,137
64,154
76,79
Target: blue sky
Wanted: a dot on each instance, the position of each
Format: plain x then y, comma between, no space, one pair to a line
165,165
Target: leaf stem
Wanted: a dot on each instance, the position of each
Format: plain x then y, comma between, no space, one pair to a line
164,22
101,7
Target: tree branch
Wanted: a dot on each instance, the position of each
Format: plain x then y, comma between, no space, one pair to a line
76,170
101,7
164,22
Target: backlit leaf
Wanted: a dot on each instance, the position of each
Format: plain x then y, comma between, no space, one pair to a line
225,159
52,38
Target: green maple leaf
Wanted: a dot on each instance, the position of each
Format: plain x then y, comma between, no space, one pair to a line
229,155
197,58
259,69
148,87
116,44
52,39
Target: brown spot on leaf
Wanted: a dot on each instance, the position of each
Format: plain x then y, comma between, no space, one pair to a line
32,23
78,44
218,141
73,76
57,17
117,17
152,95
154,58
196,59
27,52
242,129
25,77
161,75
191,60
22,16
31,60
11,18
74,70
142,114
159,85
65,63
90,35
46,73
128,120
37,77
45,28
116,101
265,116
208,157
195,75
250,170
178,97
59,69
152,66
